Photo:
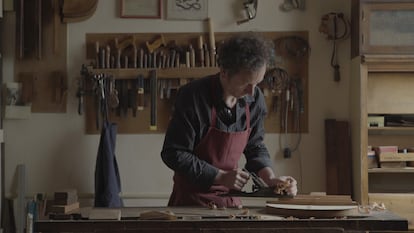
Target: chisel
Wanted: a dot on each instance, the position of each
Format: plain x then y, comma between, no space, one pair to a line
39,29
153,87
132,97
201,51
140,92
212,43
97,59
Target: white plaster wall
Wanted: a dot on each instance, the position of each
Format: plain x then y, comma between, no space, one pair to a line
58,154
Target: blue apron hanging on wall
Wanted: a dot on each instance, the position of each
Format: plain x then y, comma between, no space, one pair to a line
107,179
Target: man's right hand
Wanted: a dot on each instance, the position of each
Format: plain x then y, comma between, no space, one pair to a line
234,179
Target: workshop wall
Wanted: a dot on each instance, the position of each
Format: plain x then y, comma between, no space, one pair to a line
58,154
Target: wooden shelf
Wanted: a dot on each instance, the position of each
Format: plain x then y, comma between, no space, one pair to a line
391,130
403,128
162,73
392,170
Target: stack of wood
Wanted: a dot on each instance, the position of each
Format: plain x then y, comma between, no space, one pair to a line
65,201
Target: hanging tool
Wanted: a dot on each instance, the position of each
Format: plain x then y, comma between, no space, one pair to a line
39,29
120,47
294,47
153,88
200,51
97,55
250,6
277,80
81,88
299,91
56,25
132,97
99,89
102,57
212,43
155,44
21,24
113,99
330,26
140,92
289,5
118,91
123,100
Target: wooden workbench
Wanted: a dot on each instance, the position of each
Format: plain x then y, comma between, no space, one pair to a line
205,220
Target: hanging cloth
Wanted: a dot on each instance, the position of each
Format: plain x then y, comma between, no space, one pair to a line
107,179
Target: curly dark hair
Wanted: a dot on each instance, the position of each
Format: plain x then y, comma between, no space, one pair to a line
246,51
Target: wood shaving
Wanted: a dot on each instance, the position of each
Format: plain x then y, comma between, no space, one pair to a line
212,205
282,187
244,212
378,207
366,209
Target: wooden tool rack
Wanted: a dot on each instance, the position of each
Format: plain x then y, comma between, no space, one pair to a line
125,63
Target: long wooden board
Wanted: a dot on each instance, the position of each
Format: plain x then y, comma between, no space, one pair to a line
315,200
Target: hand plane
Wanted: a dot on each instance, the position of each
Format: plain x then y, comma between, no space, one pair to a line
260,189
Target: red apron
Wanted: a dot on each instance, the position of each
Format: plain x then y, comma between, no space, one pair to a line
220,149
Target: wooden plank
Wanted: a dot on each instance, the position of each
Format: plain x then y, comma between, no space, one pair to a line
332,171
338,157
315,200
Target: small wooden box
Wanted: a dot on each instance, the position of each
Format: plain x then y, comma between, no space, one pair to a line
395,160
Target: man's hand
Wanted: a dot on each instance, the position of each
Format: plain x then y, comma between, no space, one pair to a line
235,179
285,184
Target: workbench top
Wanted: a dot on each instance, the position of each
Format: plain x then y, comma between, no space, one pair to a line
196,219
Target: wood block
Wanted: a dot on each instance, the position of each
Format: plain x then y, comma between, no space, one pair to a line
65,197
105,213
157,215
64,208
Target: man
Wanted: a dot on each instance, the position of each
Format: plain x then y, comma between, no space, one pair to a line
217,119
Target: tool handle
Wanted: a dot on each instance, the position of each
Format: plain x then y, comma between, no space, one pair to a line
153,85
140,93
